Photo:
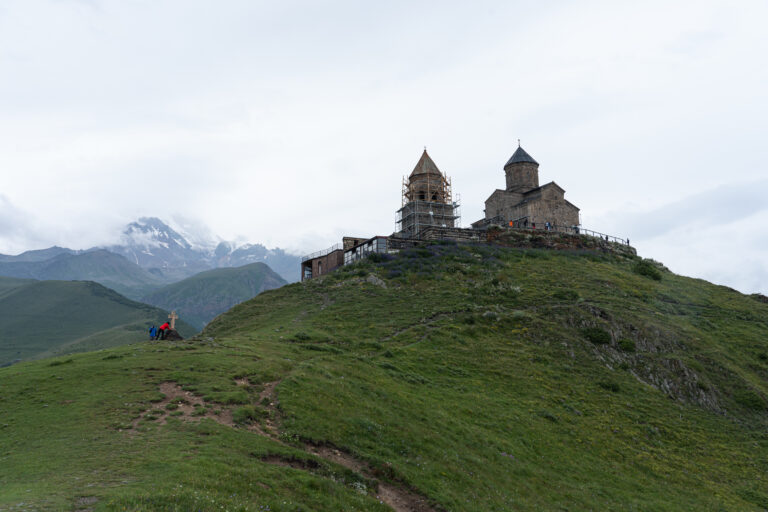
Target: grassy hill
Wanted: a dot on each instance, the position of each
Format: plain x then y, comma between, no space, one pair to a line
101,266
10,283
447,378
44,318
200,298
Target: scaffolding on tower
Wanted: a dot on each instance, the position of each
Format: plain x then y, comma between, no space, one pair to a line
427,201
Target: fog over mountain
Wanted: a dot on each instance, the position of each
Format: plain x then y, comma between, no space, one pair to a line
154,245
166,253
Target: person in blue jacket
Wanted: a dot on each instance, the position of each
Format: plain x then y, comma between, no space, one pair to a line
153,333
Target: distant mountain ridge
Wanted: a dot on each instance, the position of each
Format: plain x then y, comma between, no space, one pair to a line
154,245
46,318
99,265
163,253
38,255
202,297
59,299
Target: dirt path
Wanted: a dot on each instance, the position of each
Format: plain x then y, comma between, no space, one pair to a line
397,497
186,406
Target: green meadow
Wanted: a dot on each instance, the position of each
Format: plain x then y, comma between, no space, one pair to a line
478,378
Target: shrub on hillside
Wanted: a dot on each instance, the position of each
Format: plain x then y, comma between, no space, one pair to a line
648,269
566,295
417,252
232,398
520,316
750,400
378,257
627,345
547,415
613,387
597,335
247,414
59,362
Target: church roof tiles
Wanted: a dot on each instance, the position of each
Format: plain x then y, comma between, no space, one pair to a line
425,165
520,156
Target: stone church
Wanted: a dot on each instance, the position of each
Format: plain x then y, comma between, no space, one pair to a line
523,203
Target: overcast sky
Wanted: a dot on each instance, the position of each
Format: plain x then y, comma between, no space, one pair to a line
292,123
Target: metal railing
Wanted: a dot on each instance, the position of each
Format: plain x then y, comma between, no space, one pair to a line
573,230
324,252
607,238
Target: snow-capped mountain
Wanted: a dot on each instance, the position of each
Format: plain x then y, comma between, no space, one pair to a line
164,251
150,243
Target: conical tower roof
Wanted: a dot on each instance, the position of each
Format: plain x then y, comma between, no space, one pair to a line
520,156
425,165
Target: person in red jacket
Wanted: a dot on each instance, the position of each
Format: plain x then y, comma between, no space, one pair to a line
161,331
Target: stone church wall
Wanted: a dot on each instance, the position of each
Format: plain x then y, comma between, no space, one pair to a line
500,203
557,212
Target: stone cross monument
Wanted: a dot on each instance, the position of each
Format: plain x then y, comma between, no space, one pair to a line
173,316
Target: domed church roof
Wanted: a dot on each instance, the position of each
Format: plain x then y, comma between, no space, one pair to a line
520,156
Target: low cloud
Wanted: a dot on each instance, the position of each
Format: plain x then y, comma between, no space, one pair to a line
715,235
17,228
710,209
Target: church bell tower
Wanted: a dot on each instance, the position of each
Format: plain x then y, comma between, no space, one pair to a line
427,200
522,172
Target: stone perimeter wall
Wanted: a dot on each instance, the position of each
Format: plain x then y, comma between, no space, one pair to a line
528,239
507,237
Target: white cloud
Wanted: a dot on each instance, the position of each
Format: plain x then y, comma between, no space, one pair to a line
291,123
715,234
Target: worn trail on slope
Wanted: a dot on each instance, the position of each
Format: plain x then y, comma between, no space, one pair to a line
189,407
